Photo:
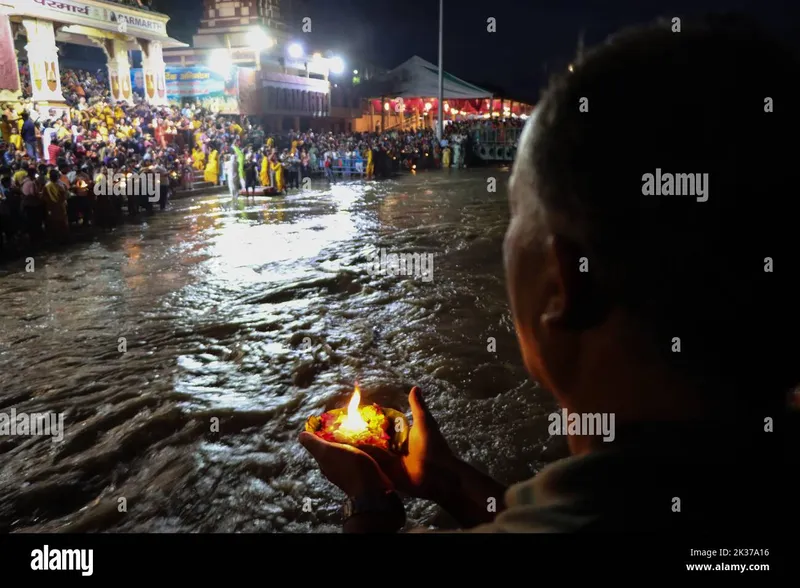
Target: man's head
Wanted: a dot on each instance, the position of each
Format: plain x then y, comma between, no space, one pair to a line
660,306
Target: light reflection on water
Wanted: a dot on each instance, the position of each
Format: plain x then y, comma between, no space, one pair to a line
255,316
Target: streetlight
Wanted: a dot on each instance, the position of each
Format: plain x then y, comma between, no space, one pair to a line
220,61
295,51
355,72
440,122
336,65
260,41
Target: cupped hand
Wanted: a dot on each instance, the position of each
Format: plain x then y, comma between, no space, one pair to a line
352,470
425,471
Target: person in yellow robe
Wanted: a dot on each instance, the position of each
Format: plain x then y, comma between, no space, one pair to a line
370,163
212,168
19,177
198,159
55,193
263,174
62,132
5,129
277,170
18,110
16,139
446,157
270,143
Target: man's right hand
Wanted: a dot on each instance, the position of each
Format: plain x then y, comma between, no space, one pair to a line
428,469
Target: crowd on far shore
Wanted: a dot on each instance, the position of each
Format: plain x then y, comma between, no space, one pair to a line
51,160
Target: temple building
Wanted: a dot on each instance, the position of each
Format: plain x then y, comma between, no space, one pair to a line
115,27
282,82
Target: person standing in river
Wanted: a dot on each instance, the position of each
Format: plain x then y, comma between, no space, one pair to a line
232,173
663,312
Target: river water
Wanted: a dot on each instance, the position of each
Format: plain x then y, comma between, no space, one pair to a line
185,353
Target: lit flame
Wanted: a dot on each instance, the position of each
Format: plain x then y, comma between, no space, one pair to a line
354,422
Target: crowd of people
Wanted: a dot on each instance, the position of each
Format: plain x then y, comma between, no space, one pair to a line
79,87
51,161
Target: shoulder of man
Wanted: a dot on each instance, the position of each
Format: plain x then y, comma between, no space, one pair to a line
542,505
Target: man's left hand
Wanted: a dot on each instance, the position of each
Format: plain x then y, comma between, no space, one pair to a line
352,470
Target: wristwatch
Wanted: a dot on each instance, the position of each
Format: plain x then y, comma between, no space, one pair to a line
387,503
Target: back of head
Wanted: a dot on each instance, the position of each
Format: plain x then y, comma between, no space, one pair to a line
710,108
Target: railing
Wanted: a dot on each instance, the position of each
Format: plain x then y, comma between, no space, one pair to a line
349,167
490,136
496,144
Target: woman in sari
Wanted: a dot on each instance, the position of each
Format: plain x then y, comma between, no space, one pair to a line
446,157
212,168
276,167
263,174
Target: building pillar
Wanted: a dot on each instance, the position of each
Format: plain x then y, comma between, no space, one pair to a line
43,61
119,71
296,123
154,72
10,90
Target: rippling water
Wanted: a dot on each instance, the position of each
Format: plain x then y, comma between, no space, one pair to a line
254,318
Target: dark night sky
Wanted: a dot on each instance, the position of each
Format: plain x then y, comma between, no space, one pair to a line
530,33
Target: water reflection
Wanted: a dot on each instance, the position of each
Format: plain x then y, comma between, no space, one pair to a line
255,316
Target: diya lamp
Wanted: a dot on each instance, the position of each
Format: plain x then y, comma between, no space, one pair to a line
356,425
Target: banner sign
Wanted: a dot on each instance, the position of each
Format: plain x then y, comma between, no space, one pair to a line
101,16
248,91
198,84
9,69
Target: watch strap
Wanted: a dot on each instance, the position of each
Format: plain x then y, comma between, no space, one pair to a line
385,503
